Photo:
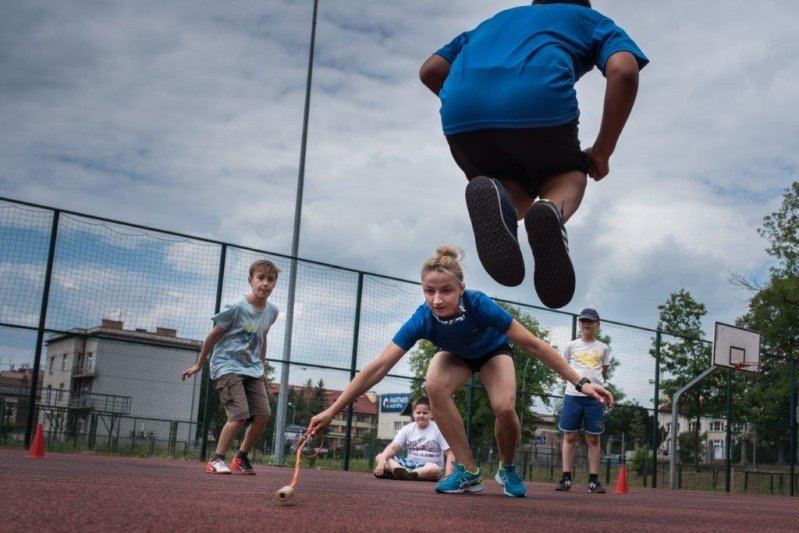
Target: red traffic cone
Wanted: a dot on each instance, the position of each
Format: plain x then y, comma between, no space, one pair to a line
621,482
37,447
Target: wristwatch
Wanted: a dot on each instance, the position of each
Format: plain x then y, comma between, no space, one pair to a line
579,384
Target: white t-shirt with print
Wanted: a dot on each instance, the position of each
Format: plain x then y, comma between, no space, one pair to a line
424,445
587,359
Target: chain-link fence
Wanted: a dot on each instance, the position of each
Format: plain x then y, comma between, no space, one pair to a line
99,318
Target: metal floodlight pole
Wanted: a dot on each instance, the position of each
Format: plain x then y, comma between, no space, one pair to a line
280,421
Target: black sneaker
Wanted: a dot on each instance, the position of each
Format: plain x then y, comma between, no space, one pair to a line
596,486
494,224
241,466
401,473
554,274
564,484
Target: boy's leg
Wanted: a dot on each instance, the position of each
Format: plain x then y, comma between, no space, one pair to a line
594,427
226,436
234,400
565,190
492,211
570,420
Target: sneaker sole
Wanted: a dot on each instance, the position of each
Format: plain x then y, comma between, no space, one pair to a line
216,472
472,489
497,250
554,274
239,472
524,495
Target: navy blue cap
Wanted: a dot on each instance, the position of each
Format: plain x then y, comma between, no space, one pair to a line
589,314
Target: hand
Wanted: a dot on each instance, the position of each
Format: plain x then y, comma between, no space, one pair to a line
599,393
193,369
380,467
600,165
319,422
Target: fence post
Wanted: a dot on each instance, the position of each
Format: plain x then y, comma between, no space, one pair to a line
353,365
37,358
209,386
655,418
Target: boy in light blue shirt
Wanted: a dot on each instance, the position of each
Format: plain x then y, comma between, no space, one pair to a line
238,341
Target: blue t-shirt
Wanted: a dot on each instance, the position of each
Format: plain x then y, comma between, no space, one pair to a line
477,331
238,351
518,68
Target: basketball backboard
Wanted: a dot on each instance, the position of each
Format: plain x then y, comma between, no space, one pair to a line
737,348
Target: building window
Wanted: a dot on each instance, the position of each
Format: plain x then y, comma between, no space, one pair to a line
717,425
64,362
398,425
52,364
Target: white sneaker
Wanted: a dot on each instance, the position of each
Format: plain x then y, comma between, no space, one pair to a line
217,466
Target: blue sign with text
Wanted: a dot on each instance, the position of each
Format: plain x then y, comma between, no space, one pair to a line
393,403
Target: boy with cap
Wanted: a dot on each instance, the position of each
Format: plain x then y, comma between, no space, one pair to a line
590,358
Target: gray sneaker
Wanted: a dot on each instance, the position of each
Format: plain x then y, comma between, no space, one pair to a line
554,278
494,223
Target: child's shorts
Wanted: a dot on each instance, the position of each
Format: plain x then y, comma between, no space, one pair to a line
526,155
242,397
407,463
579,408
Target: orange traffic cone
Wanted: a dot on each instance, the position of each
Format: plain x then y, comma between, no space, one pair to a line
621,482
37,447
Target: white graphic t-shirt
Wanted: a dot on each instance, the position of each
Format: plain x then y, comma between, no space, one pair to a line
587,359
424,445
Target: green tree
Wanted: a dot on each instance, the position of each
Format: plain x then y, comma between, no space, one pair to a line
533,379
683,356
774,312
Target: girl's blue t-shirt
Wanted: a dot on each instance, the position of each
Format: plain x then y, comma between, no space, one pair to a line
518,68
477,331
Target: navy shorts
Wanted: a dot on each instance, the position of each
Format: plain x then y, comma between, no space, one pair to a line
579,408
477,364
528,155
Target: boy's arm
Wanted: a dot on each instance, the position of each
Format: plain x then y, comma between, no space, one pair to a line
547,355
371,374
208,344
621,72
433,72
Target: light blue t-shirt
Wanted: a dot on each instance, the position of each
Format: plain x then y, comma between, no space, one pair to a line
477,331
518,68
237,352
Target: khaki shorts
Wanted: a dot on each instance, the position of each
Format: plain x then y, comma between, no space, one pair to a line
242,397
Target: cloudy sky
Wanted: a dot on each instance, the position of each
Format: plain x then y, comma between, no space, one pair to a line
187,116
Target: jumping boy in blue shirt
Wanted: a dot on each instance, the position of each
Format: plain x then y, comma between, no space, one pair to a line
509,112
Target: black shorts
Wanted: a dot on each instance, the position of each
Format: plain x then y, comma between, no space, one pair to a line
477,364
528,155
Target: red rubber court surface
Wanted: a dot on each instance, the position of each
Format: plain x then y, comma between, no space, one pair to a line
66,492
